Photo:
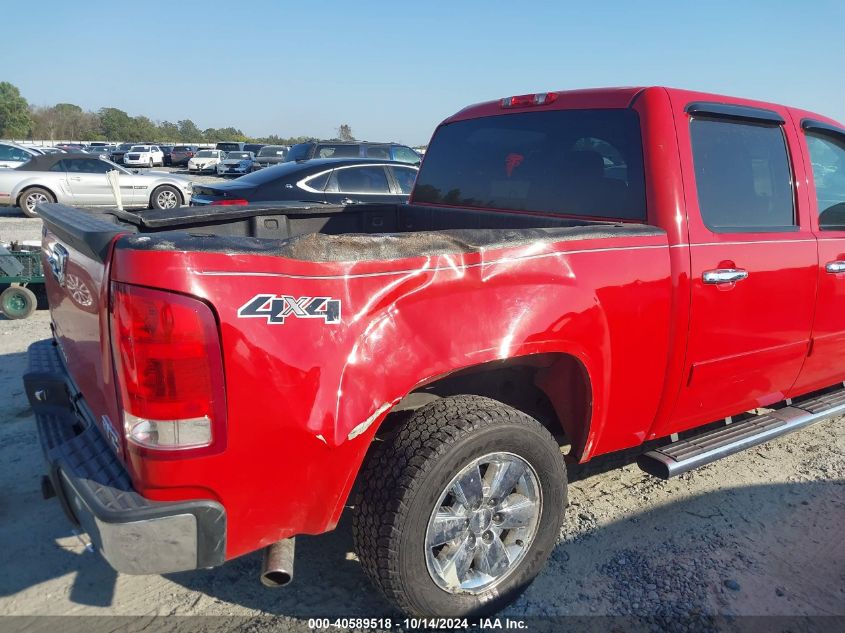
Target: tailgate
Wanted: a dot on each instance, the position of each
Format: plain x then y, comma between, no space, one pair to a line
76,248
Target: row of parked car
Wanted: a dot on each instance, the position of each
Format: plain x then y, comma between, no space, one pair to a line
335,173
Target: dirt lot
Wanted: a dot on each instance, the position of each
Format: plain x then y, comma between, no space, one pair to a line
760,533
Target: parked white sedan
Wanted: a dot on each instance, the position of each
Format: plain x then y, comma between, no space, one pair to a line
144,156
206,160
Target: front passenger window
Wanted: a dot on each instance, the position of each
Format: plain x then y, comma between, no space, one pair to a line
827,154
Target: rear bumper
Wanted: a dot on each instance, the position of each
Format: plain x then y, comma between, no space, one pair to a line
134,534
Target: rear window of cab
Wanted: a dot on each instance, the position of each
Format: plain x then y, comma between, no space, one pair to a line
574,162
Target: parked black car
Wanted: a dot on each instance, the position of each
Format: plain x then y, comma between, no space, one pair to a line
181,154
270,155
117,154
353,149
230,146
253,147
167,150
332,180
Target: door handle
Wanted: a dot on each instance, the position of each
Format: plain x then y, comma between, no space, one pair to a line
835,267
75,178
724,275
348,201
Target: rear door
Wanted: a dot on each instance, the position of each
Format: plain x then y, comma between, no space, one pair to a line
753,261
360,184
825,146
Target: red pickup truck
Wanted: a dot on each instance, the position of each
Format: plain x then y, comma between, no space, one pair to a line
576,273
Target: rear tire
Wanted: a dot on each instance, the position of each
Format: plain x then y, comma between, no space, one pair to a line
413,497
165,197
152,164
32,197
18,302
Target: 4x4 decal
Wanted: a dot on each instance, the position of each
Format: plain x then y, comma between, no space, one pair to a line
276,308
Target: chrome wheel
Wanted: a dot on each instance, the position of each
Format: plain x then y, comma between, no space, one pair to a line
166,200
34,199
483,524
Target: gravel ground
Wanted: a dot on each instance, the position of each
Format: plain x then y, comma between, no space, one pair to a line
757,534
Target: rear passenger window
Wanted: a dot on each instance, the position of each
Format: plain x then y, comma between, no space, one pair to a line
827,154
359,180
378,152
743,177
317,183
405,177
338,151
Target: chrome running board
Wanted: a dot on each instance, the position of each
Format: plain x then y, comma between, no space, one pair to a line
684,455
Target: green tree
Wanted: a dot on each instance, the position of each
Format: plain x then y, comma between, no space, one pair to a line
344,132
15,117
116,125
189,132
144,129
168,131
212,135
275,139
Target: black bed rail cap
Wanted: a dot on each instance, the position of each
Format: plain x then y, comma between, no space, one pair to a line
86,231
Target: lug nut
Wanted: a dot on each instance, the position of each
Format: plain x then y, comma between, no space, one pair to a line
497,518
492,503
487,537
519,542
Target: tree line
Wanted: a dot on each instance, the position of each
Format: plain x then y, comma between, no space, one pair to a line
67,121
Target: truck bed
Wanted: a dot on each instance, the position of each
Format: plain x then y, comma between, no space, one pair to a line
328,232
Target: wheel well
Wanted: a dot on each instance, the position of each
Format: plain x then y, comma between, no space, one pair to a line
28,187
552,388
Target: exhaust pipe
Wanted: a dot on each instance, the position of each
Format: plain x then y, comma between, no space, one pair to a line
277,569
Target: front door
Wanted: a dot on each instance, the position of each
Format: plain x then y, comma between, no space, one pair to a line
753,262
88,182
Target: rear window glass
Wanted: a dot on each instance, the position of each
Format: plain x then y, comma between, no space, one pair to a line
577,162
228,147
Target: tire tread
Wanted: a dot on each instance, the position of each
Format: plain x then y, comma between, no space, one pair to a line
397,468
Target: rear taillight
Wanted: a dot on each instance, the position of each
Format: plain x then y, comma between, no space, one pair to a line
232,202
169,371
521,101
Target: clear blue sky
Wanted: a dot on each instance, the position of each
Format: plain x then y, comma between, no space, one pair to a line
393,70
